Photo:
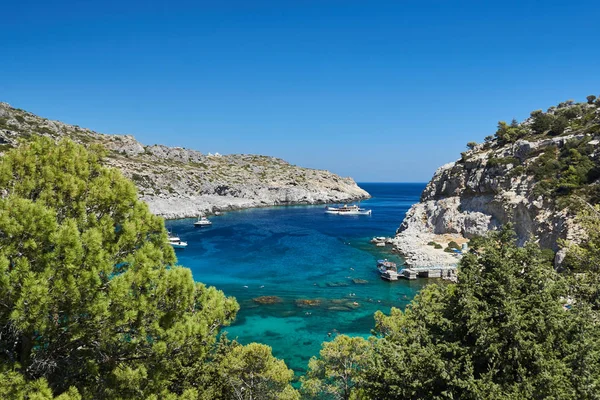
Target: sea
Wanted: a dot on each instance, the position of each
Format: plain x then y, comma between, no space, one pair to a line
321,268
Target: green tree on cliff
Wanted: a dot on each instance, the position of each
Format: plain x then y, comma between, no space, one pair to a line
91,301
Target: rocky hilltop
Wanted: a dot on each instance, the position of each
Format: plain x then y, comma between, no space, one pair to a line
178,182
535,174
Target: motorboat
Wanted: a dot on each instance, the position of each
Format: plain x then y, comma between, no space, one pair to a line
176,242
347,210
385,265
390,275
202,221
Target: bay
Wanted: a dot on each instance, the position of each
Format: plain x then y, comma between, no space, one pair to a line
300,253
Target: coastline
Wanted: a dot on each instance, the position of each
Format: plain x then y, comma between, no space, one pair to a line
174,208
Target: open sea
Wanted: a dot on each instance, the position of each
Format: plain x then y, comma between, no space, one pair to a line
301,253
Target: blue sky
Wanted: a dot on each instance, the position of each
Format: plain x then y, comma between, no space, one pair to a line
376,90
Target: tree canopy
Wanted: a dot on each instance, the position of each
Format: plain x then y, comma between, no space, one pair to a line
92,302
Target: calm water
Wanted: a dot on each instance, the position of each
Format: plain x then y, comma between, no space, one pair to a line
300,253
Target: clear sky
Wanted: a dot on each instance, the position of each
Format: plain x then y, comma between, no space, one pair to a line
376,90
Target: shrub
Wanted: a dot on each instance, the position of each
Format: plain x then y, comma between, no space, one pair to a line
541,121
453,245
559,125
590,99
471,145
437,246
510,133
497,161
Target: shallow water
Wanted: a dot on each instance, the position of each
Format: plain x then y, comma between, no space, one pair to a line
298,253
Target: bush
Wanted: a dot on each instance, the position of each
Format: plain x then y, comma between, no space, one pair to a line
453,245
437,246
510,133
559,125
497,161
590,99
471,145
542,122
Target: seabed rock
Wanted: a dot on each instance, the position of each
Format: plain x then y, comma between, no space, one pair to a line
267,300
308,302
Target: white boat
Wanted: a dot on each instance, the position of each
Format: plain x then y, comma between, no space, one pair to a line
176,242
347,210
390,275
202,221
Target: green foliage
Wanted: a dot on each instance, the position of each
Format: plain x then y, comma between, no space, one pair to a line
437,246
510,133
251,372
493,162
453,245
500,333
541,122
13,385
565,171
91,296
583,259
471,145
559,124
338,369
590,99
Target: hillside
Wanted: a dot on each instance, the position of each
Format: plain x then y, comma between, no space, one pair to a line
178,182
535,174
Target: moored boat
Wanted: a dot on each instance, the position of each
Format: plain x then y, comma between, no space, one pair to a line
390,275
385,265
202,221
176,242
347,210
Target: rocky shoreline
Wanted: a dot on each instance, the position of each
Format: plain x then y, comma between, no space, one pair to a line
177,182
178,207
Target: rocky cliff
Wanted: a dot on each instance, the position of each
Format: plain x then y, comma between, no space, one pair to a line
535,175
178,182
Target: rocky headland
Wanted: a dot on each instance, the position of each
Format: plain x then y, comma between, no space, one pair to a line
179,183
535,175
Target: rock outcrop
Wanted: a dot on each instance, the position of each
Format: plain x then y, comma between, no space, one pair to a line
525,182
178,182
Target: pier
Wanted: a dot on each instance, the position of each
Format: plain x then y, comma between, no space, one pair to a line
448,273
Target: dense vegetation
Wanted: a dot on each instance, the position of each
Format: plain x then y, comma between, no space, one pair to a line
93,305
511,328
562,156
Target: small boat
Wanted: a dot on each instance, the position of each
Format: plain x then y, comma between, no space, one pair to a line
347,210
176,242
390,275
202,221
385,265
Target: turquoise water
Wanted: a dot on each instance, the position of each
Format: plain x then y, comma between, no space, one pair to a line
300,253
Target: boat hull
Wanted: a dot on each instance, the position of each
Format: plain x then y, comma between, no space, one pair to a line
366,212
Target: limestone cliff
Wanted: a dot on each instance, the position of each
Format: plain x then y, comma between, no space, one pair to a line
178,182
534,175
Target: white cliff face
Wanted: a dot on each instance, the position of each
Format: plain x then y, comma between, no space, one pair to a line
477,193
178,182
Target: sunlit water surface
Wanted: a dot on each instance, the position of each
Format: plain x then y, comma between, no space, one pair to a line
300,253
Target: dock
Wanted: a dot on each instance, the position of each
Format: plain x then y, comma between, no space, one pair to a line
448,273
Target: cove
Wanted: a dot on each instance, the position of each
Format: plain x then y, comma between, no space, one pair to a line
300,253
